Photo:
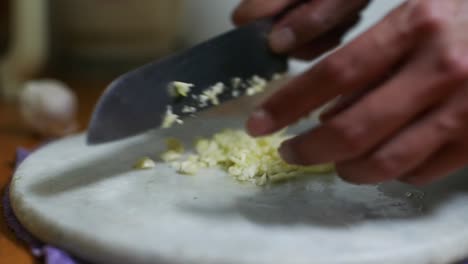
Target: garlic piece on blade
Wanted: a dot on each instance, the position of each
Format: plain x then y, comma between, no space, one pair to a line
170,118
177,89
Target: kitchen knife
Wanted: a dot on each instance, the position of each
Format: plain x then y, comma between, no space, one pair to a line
137,101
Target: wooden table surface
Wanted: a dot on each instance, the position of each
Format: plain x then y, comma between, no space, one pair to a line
13,134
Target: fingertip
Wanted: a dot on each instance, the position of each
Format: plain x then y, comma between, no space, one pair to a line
345,175
287,153
282,40
358,180
247,12
292,152
250,10
260,123
348,173
415,181
243,13
237,18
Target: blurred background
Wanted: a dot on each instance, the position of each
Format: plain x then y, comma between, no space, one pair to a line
84,45
98,39
4,26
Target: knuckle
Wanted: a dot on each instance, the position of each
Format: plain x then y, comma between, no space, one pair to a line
448,124
339,70
334,65
351,136
461,114
453,63
427,18
316,20
387,165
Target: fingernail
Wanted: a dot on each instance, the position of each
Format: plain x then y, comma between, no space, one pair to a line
287,153
282,40
260,123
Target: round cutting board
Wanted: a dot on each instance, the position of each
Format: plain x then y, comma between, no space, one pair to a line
91,202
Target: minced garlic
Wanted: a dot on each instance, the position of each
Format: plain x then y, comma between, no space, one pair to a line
256,85
190,166
247,159
177,89
189,109
211,94
252,86
236,82
278,76
175,150
170,118
144,164
235,93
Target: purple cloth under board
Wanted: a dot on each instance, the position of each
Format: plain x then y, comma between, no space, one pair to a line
50,254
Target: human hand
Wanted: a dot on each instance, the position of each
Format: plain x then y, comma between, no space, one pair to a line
408,114
309,28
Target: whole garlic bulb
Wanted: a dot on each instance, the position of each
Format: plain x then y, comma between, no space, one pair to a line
49,107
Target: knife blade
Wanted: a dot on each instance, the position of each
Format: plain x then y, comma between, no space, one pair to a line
137,101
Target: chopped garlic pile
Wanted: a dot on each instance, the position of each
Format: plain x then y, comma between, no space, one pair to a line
247,159
175,150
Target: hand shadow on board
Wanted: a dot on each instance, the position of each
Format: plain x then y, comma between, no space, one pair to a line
337,204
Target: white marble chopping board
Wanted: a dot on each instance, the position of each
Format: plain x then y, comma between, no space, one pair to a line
90,201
